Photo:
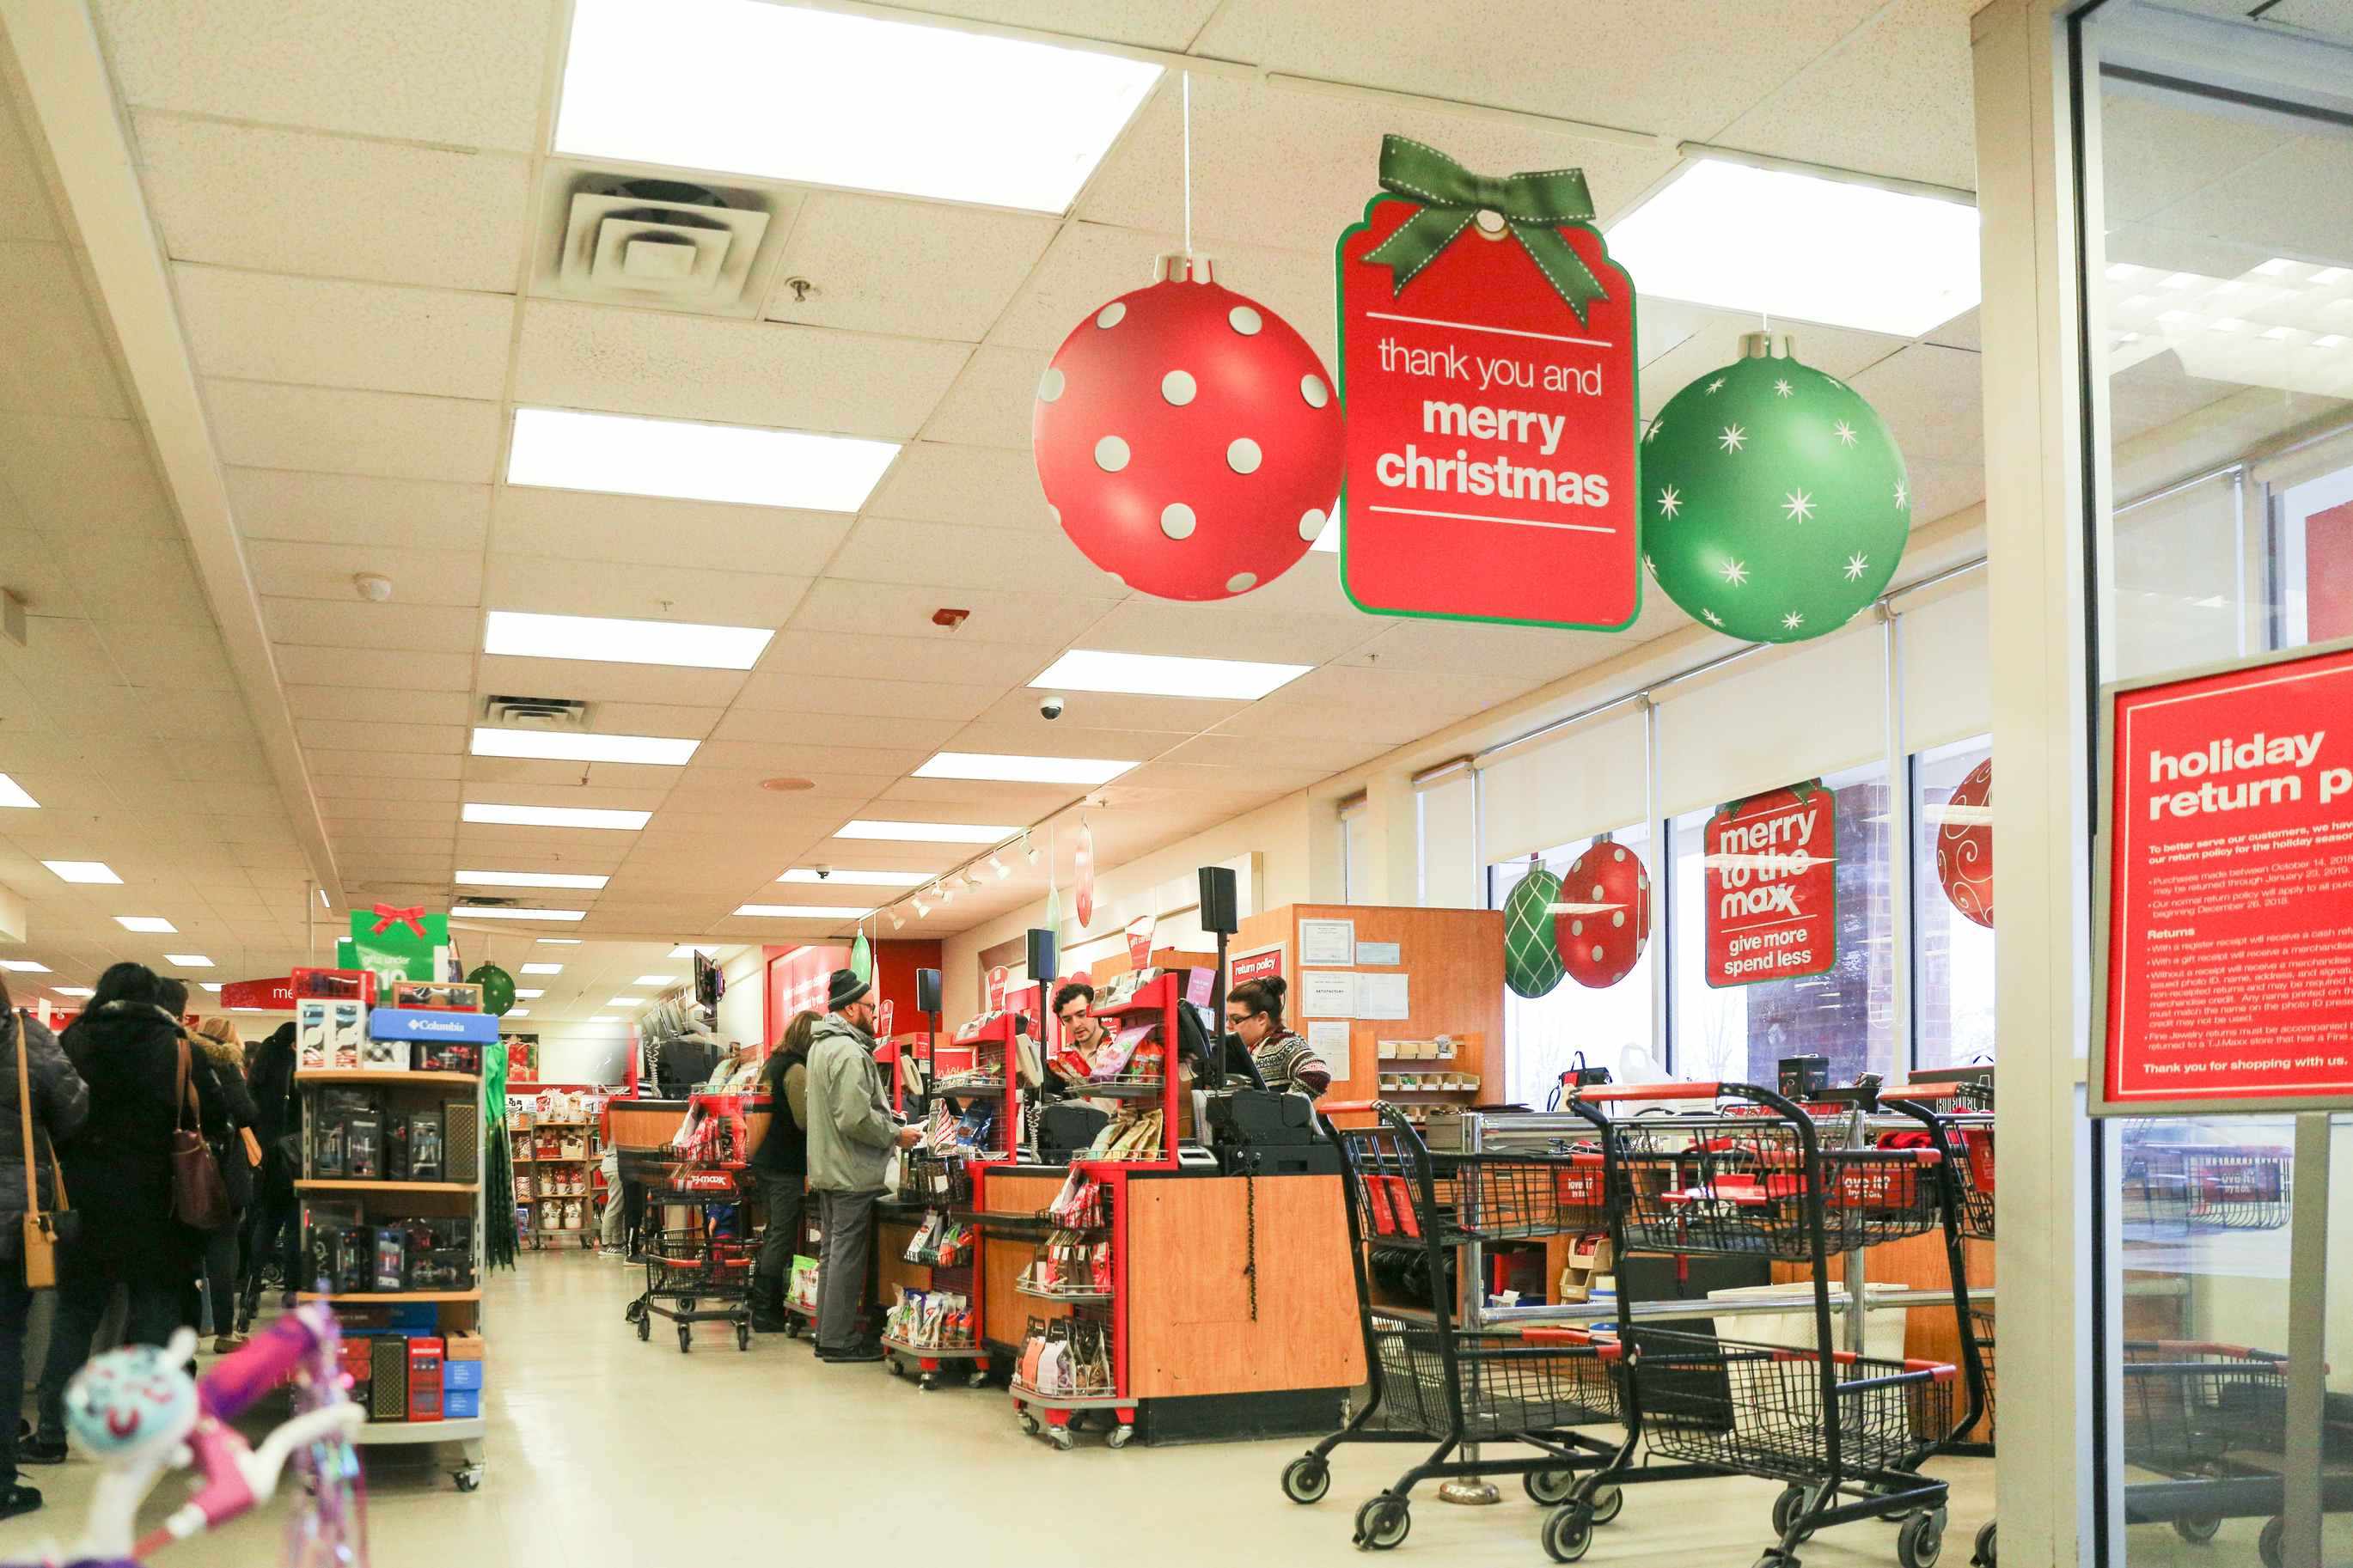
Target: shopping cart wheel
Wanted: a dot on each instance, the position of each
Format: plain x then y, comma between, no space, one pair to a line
1786,1509
893,1365
686,1303
1607,1503
1983,1556
1569,1532
792,1328
743,1336
469,1480
635,1311
1306,1480
1121,1435
1061,1436
2198,1529
685,1339
1383,1523
2272,1544
1028,1423
645,1325
1919,1545
976,1378
1549,1488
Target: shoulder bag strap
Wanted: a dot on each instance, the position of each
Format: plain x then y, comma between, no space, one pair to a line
185,1102
24,1109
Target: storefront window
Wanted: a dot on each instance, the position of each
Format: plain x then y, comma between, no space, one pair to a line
1952,959
1611,1025
2219,365
1741,1032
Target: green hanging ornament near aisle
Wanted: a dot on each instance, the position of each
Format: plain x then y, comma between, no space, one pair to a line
1532,965
861,957
498,988
1775,503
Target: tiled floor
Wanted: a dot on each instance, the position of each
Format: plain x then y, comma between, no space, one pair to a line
606,1451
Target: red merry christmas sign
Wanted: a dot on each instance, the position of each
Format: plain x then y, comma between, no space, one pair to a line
268,995
1772,887
1490,387
2230,873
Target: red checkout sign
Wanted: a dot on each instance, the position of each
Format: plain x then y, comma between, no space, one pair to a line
2229,940
1490,471
1772,887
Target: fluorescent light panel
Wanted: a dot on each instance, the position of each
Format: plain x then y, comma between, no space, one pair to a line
923,832
1166,675
804,911
73,990
12,794
532,879
210,984
559,942
620,454
578,746
553,817
687,950
493,912
841,877
82,871
657,981
1799,247
516,1012
188,959
625,1001
152,925
530,995
832,100
23,966
996,767
543,969
683,644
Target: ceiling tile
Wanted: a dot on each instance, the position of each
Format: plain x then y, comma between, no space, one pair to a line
884,701
78,480
744,373
1028,735
1090,264
325,430
152,579
939,657
349,668
1187,777
169,658
949,554
397,707
980,800
565,586
285,201
282,569
897,611
647,531
326,763
1323,755
348,508
37,575
358,733
378,337
989,486
1154,24
52,357
420,629
24,197
1228,629
1933,400
367,786
927,270
992,400
591,681
1165,717
419,70
1714,343
815,753
830,729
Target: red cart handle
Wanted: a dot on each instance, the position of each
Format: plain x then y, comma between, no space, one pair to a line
1345,1106
1651,1091
1604,1348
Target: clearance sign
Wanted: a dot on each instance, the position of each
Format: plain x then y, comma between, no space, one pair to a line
1487,366
2226,916
1772,885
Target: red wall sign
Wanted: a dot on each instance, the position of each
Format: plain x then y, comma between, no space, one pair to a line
801,979
998,978
271,996
1139,941
2230,881
1772,887
1256,965
1491,463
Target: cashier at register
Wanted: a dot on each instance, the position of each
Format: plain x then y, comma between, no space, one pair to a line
1081,1030
1288,1063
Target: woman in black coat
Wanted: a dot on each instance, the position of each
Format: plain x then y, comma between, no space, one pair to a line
278,1122
58,1104
118,1169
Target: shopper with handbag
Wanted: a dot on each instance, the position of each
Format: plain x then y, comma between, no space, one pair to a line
238,1152
781,1162
851,1133
143,1178
42,1100
275,1212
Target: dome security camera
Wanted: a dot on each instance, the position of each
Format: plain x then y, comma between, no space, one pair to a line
1050,708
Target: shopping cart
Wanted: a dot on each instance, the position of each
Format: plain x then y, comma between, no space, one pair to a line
697,1272
1844,1433
1432,1379
2176,1188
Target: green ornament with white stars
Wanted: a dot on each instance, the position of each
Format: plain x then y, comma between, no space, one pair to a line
1775,503
1532,965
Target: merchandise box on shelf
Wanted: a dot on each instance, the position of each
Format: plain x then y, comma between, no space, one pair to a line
434,996
409,1023
334,986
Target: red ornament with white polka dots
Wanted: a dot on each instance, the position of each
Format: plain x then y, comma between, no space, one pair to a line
1604,919
1187,438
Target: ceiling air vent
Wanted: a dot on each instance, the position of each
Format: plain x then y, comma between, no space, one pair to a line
634,239
535,712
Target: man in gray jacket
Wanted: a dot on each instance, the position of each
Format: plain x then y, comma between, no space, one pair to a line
850,1135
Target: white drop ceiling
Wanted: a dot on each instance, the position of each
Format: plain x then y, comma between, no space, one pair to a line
349,197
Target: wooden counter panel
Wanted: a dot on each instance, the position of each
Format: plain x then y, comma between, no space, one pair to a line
1189,1327
1003,1313
892,1239
635,1129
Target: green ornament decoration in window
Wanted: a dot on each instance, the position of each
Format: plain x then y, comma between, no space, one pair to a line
1532,965
1775,503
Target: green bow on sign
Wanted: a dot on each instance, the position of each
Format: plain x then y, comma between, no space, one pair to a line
1452,197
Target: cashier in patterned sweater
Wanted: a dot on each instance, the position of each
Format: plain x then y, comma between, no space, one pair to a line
1287,1062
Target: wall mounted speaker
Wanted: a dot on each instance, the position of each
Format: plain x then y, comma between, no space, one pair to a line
1217,901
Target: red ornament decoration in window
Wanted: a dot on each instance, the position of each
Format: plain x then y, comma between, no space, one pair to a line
1965,846
1187,438
1603,918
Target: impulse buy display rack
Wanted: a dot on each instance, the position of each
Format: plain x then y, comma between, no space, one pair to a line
1102,1308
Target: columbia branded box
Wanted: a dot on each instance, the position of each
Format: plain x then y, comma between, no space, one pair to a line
407,1023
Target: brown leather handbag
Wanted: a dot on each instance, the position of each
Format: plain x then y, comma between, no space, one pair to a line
199,1197
41,1230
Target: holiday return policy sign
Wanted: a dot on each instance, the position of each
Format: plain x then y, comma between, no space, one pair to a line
2228,941
1772,885
1490,387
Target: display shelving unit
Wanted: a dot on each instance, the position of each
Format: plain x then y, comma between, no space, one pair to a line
523,1129
454,1311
